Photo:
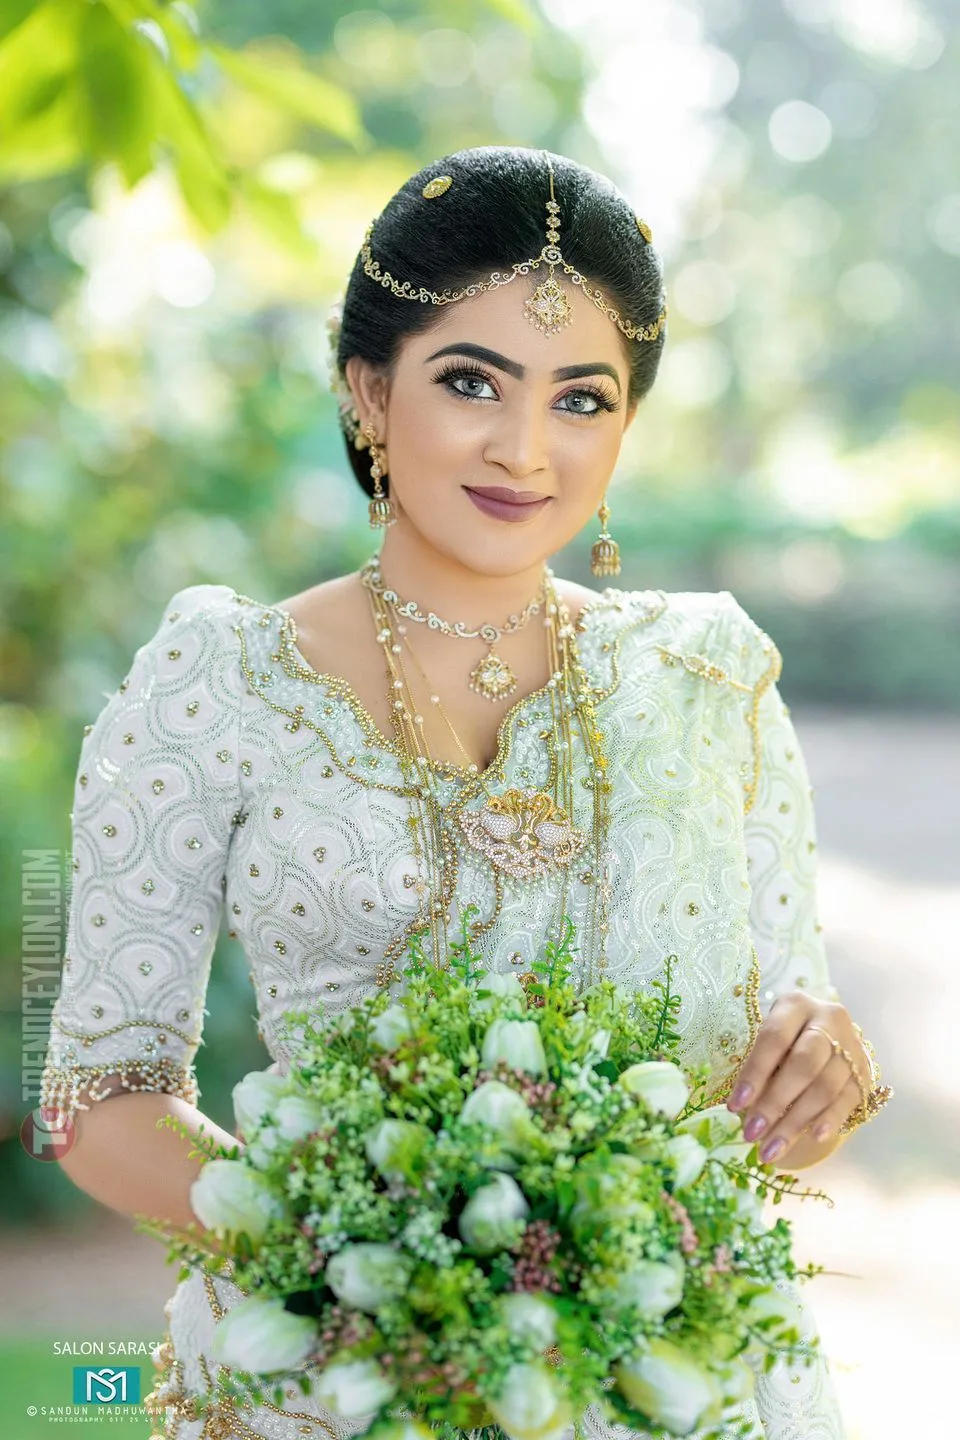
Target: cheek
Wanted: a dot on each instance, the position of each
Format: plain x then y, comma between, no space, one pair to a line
584,459
429,437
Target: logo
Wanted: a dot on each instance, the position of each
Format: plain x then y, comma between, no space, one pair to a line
47,1133
106,1386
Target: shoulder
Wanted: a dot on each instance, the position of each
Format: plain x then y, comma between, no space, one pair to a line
742,646
706,632
198,622
180,683
196,637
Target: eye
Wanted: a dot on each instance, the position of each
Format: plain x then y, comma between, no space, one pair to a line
598,399
453,375
458,377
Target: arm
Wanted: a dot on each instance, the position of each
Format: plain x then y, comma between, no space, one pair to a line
123,1160
156,793
795,990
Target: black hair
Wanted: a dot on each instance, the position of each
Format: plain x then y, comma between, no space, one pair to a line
492,216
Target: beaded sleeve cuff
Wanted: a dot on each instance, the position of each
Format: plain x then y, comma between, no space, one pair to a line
63,1087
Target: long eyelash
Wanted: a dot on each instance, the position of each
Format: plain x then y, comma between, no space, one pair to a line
448,372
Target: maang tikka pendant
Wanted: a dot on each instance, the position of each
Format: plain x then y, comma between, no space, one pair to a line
548,307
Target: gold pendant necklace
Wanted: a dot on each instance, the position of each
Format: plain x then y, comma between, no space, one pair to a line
491,677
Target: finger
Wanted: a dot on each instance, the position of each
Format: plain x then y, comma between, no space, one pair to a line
787,1017
802,1068
812,1103
829,1122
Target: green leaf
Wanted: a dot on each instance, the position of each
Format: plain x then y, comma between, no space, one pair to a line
276,213
310,97
12,14
44,144
177,26
117,88
37,59
201,175
518,12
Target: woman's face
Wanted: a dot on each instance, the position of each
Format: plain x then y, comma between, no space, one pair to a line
500,440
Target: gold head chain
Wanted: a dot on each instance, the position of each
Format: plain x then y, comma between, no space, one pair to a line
548,308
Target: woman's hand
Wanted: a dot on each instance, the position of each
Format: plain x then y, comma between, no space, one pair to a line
792,1080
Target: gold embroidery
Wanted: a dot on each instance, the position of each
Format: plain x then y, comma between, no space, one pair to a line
699,665
769,677
754,1021
294,665
89,1038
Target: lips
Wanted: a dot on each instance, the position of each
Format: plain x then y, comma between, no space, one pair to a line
504,504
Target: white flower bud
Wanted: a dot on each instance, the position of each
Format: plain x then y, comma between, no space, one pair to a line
297,1116
368,1274
530,1318
506,1113
228,1196
390,1027
255,1096
688,1158
667,1386
353,1387
661,1084
393,1146
656,1286
518,1043
259,1334
488,1221
719,1131
501,987
598,1043
530,1405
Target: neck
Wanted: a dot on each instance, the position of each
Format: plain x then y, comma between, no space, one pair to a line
437,582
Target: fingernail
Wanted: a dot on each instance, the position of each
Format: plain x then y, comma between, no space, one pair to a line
741,1095
755,1126
821,1132
771,1150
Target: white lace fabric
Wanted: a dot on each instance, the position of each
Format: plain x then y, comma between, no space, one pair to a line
226,778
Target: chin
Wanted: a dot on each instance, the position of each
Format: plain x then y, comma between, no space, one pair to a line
486,556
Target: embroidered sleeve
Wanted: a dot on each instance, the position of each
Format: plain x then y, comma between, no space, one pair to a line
779,825
155,802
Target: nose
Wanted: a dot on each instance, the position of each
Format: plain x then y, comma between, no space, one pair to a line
518,443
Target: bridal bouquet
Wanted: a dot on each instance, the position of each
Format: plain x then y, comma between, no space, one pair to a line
486,1202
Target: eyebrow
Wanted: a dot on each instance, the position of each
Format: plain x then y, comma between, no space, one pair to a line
567,372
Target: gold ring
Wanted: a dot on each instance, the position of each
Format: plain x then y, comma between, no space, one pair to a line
844,1054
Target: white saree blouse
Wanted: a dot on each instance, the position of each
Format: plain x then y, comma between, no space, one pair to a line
226,778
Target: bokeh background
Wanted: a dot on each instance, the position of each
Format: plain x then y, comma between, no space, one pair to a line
182,194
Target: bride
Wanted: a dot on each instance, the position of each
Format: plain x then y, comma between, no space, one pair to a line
452,724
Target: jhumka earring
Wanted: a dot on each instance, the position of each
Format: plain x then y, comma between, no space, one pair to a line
605,555
380,510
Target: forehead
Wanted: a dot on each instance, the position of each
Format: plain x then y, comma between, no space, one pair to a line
497,320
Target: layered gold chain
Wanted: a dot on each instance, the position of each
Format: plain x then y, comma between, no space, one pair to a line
526,834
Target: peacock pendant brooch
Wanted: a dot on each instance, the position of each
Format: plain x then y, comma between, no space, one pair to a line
524,833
